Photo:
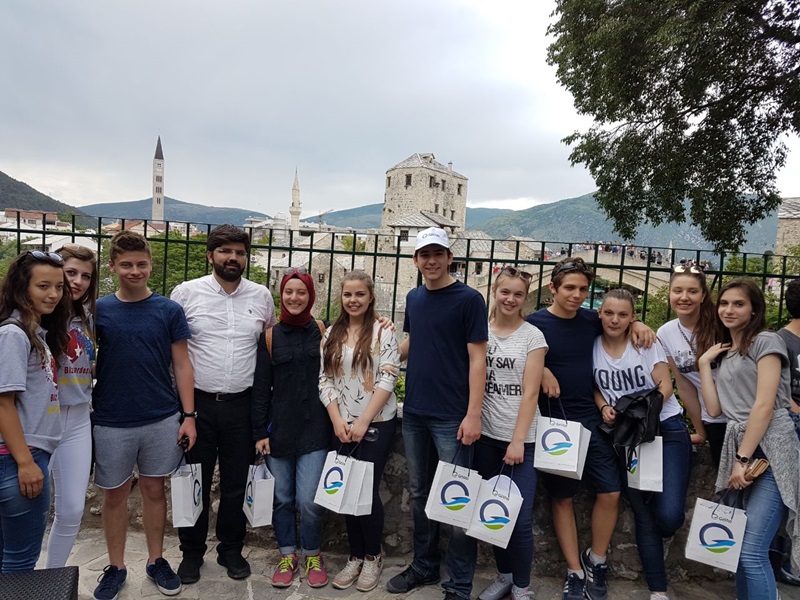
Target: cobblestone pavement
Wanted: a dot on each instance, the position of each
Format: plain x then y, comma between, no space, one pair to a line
90,555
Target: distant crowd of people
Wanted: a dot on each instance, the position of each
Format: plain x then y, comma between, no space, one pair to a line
138,380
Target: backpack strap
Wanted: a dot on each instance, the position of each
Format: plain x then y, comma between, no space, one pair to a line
268,335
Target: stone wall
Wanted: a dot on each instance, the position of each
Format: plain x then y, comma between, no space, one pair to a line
623,557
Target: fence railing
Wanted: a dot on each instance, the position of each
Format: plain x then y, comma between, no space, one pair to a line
179,254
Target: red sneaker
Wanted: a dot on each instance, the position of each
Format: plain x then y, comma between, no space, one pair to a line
316,574
285,571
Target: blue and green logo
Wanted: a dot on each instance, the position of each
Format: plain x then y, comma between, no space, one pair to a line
717,546
634,464
333,480
456,502
561,442
494,518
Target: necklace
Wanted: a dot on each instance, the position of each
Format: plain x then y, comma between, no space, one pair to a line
686,338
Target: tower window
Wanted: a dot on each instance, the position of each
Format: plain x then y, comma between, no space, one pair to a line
388,181
436,208
431,181
159,178
321,277
158,189
408,180
478,268
460,185
404,235
452,214
444,184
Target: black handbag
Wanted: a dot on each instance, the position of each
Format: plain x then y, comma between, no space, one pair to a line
638,419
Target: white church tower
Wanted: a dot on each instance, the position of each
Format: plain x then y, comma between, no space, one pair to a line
158,184
295,209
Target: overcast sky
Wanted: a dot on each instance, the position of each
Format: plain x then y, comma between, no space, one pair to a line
244,92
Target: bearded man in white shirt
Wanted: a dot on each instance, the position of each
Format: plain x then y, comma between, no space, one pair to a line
226,315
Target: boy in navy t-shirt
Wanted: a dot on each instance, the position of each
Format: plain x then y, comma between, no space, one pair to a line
137,412
447,332
567,390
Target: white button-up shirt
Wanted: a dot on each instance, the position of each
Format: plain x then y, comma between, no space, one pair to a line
225,330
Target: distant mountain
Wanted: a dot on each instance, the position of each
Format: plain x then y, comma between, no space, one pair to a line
174,210
369,217
581,219
16,194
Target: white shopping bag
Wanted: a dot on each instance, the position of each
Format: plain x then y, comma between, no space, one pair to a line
452,496
334,485
187,495
645,466
358,497
496,511
716,534
561,447
259,495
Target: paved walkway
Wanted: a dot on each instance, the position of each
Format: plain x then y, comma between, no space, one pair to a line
90,555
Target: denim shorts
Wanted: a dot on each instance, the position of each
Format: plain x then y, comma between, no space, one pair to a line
153,448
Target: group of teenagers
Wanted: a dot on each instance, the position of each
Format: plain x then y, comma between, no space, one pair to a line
211,377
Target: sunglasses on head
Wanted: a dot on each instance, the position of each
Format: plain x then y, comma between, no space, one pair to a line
293,270
570,266
514,272
46,256
688,269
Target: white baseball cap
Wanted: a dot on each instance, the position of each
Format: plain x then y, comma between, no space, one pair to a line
432,236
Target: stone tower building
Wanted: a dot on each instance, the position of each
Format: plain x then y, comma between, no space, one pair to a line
158,184
421,184
294,209
788,225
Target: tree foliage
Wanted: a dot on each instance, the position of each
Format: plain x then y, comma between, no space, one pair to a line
692,101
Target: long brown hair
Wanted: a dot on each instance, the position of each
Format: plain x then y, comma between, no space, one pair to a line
758,320
14,296
83,307
705,332
362,352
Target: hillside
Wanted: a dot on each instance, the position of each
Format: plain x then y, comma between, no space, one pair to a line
369,217
174,210
16,194
580,219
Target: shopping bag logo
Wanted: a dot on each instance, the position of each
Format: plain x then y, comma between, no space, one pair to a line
490,517
456,502
333,480
248,494
196,492
558,447
634,462
717,546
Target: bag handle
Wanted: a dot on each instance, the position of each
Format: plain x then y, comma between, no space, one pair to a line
721,516
563,412
458,451
346,456
185,460
499,471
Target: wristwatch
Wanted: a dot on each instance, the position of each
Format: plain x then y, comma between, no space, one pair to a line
743,459
192,414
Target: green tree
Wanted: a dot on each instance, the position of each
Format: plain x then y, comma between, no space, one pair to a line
691,100
350,242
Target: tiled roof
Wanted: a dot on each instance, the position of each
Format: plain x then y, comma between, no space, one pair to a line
413,220
479,241
789,209
440,220
426,161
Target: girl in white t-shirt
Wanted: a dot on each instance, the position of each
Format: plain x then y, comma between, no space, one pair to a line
684,339
514,365
619,369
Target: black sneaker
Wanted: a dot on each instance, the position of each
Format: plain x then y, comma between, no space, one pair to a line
408,580
189,569
596,587
450,595
111,582
167,582
573,587
235,563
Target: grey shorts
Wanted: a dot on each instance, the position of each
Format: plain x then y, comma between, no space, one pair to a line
153,448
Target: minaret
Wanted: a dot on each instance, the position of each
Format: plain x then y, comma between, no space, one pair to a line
158,184
295,209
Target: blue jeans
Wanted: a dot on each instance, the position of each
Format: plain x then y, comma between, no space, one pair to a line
517,558
22,520
296,479
427,441
660,515
765,513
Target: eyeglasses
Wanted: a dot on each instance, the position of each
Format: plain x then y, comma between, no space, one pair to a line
293,270
514,272
570,266
46,256
688,269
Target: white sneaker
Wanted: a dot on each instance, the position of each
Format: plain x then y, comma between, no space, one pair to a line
518,593
349,574
498,589
370,573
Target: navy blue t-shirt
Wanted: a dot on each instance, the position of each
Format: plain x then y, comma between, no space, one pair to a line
441,324
569,357
134,339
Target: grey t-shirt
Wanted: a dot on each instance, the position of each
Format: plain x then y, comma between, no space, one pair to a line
34,380
737,377
793,345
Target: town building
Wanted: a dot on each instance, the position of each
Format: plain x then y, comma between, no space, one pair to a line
158,184
788,225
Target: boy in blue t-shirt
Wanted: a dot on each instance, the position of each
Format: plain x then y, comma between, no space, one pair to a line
138,417
568,391
446,376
